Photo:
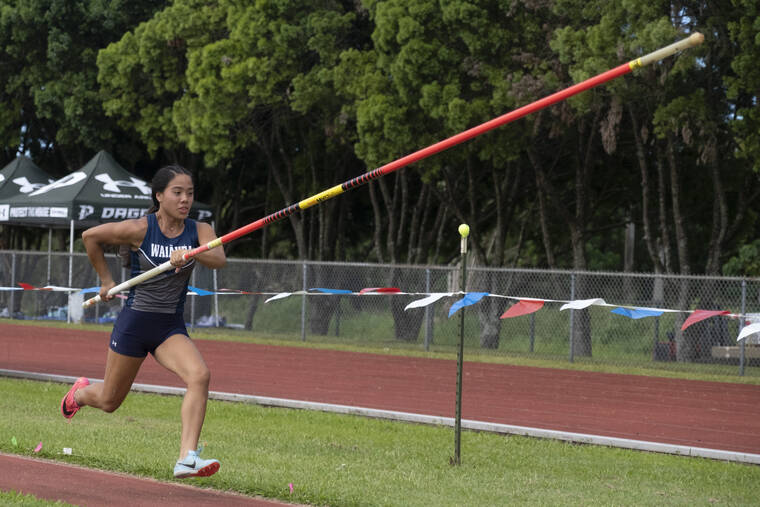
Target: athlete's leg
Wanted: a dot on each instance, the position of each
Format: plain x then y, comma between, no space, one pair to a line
121,371
178,354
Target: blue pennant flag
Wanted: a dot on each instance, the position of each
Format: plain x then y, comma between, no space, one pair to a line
469,299
89,289
198,291
331,291
636,313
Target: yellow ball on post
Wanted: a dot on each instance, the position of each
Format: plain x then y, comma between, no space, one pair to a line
464,230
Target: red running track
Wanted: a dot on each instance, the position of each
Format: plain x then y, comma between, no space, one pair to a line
715,415
53,480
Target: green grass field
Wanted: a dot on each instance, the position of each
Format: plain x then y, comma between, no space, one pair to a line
16,498
346,460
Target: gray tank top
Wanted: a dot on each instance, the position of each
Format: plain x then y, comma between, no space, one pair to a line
164,293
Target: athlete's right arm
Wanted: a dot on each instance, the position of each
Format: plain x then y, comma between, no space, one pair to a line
128,232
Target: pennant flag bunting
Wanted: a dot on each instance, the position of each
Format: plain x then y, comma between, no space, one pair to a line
469,298
749,330
59,288
26,286
198,292
580,304
522,307
637,313
381,290
432,298
281,295
330,291
700,315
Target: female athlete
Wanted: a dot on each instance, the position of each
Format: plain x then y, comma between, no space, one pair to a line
152,320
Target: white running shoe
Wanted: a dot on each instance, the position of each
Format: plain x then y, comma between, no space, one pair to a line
194,466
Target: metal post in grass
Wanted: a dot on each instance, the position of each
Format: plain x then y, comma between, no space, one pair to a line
464,231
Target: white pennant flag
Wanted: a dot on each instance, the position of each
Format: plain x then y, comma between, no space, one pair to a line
580,304
748,330
281,295
432,298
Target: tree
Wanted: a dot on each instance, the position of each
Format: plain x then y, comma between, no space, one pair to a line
439,68
743,86
682,103
48,88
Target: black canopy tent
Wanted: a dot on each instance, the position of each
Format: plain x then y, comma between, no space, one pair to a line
101,191
18,179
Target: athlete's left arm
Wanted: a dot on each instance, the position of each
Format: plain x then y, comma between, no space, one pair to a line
215,257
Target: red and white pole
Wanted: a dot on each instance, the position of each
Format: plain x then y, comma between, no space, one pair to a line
694,40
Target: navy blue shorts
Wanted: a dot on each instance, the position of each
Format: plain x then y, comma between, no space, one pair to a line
137,333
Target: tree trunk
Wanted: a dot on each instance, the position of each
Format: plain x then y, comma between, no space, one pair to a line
720,212
685,350
406,325
649,239
286,189
322,308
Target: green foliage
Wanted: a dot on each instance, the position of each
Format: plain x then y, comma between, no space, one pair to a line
143,74
743,86
602,258
746,262
272,101
48,90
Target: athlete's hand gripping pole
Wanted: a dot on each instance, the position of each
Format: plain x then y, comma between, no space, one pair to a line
694,40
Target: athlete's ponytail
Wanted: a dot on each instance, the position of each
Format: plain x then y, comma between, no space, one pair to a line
161,180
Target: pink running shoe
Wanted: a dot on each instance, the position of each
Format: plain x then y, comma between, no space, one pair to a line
69,406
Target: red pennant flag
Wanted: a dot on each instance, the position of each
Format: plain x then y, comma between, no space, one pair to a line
27,286
522,307
700,315
380,290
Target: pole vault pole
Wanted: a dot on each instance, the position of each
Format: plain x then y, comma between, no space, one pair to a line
694,40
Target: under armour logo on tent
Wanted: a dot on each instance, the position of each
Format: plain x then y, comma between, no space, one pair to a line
26,186
70,179
114,185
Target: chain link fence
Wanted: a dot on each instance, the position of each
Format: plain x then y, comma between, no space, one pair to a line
593,336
